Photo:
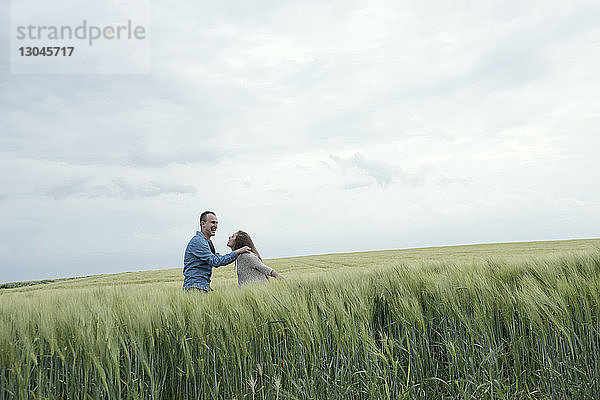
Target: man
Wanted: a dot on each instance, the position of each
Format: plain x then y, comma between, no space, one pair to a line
200,256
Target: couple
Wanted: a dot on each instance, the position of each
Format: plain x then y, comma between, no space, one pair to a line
200,257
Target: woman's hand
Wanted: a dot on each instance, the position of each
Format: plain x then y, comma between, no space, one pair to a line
277,275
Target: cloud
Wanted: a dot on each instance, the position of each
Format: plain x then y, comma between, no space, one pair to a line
140,128
128,189
33,178
75,186
451,180
118,188
382,173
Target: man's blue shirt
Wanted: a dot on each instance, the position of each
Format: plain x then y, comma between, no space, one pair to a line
199,261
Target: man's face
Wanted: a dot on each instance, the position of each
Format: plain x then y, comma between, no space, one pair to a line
209,227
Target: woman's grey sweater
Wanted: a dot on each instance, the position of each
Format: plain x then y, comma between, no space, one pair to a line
251,269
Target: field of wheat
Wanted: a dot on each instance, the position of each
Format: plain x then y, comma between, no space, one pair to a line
506,321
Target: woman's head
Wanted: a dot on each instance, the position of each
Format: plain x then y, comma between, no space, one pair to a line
240,239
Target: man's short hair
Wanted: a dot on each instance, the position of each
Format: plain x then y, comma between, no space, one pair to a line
203,216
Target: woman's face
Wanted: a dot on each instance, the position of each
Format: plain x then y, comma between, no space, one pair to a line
231,241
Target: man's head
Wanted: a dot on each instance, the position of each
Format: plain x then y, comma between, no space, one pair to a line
208,224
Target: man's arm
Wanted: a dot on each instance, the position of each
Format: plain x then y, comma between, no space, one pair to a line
201,250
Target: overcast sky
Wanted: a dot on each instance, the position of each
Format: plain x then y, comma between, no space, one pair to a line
316,126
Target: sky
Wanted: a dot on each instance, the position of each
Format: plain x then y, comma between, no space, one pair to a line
315,126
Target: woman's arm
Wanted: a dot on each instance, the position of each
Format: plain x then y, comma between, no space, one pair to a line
275,274
260,266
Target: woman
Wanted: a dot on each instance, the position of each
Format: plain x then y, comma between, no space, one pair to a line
250,267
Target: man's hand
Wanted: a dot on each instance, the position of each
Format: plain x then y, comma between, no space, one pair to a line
244,249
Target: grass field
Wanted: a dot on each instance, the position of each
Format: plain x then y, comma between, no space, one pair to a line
498,321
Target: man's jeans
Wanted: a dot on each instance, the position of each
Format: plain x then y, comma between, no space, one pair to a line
193,289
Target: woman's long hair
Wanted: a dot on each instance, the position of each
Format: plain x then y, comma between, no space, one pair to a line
243,239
